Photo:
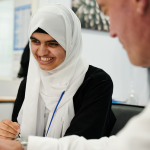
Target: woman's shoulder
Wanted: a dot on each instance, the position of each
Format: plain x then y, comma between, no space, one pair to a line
97,74
96,82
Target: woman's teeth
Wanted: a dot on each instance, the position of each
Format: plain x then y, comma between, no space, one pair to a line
45,59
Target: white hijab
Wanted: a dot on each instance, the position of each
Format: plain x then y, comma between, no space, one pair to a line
63,25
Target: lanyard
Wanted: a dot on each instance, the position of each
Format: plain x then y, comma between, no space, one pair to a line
54,112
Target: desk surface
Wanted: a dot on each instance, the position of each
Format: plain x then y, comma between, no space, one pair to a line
7,98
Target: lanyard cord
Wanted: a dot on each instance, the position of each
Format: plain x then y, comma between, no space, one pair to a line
54,112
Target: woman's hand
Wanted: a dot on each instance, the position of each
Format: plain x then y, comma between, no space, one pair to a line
10,145
8,129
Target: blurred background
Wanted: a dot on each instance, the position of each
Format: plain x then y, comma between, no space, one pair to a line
90,15
130,82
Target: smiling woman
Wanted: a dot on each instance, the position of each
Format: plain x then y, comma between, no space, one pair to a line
46,50
62,94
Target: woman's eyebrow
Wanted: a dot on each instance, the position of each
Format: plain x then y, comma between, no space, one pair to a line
46,41
52,41
33,38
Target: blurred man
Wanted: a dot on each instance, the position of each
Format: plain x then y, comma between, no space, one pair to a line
130,21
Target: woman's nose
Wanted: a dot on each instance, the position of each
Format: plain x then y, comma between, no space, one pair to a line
42,51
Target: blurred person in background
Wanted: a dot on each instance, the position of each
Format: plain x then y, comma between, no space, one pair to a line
24,64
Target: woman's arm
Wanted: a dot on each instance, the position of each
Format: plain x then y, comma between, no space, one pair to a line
92,120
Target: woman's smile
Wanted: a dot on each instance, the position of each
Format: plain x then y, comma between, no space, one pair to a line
45,60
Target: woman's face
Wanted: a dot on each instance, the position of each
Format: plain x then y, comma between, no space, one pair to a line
47,51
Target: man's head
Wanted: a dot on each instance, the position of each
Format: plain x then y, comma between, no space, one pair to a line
130,21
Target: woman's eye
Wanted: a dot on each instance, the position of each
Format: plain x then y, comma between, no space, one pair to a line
52,44
35,41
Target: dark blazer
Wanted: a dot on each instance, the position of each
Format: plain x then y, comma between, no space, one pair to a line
92,105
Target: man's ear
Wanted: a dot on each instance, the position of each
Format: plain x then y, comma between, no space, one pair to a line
142,6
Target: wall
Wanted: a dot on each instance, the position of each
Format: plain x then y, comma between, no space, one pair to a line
6,46
6,41
108,54
18,3
9,87
6,111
